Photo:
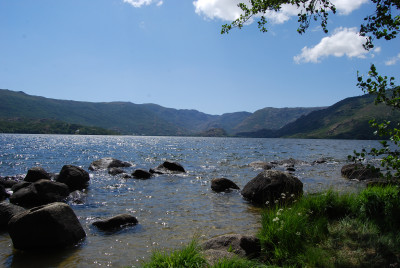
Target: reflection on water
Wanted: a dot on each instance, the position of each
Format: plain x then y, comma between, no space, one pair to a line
171,209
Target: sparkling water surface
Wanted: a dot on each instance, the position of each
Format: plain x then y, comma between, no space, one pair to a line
171,209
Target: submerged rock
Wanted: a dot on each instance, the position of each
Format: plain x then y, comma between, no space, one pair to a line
108,162
116,222
261,165
75,177
269,186
358,172
141,174
223,185
115,171
46,227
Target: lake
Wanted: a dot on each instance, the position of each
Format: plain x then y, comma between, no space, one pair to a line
171,209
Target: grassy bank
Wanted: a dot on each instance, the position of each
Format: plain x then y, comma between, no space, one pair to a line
322,230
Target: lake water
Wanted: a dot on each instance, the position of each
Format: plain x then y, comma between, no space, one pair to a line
171,209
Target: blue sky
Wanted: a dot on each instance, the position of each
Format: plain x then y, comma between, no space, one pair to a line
171,53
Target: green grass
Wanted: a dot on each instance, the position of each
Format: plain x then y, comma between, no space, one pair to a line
320,230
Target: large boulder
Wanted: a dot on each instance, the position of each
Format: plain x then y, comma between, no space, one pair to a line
358,172
244,246
40,193
168,167
49,226
115,222
223,185
108,162
142,174
75,177
7,211
270,185
37,173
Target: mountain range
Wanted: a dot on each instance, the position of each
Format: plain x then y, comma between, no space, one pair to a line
345,119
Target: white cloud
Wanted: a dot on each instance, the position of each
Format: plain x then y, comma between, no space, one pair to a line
345,7
160,3
229,11
139,3
393,60
219,9
344,41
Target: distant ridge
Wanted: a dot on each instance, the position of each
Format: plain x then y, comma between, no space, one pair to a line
142,119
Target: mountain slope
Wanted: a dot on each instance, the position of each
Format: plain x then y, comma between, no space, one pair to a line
347,119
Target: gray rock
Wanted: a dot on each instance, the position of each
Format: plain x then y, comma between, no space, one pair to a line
37,173
241,245
108,162
75,177
358,172
141,174
115,222
20,185
40,193
7,211
261,165
223,185
46,227
269,185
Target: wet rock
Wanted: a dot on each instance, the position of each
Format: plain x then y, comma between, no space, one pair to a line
261,165
223,185
75,177
7,183
108,162
116,222
77,197
291,169
40,193
168,167
269,185
46,227
115,171
358,172
20,185
3,193
37,173
320,161
7,211
141,174
242,245
290,162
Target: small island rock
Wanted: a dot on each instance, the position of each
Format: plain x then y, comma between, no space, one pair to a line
269,185
168,167
115,222
75,177
141,174
358,172
223,185
108,162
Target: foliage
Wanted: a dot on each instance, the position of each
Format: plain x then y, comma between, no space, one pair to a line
330,226
48,126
